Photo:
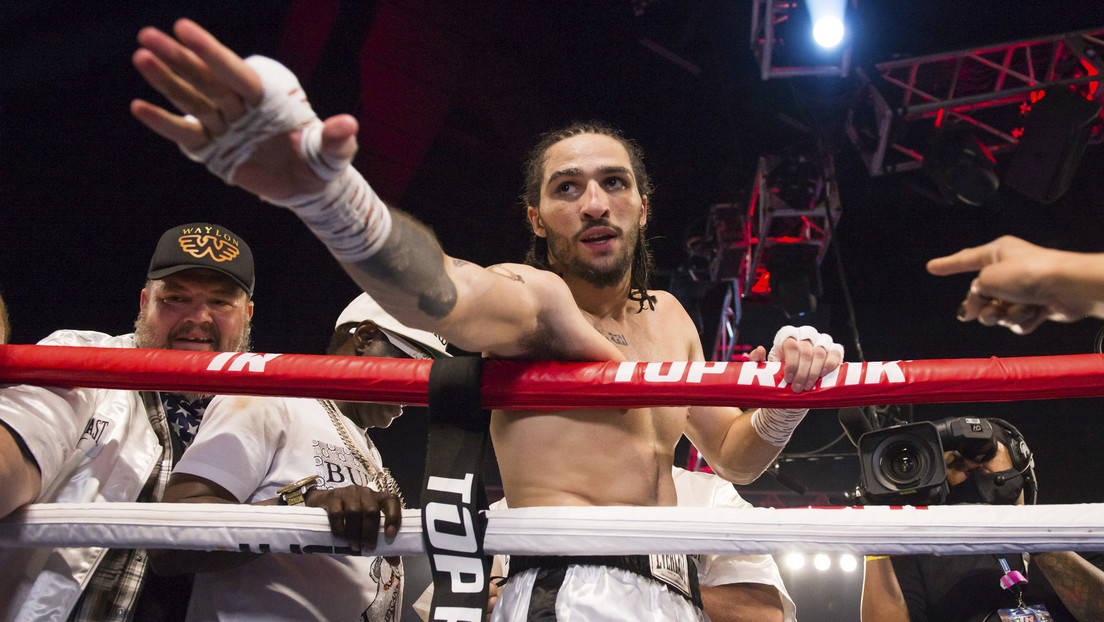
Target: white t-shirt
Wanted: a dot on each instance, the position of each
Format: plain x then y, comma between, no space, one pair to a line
252,446
699,489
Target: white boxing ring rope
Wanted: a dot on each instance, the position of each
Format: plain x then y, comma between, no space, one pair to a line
578,530
568,530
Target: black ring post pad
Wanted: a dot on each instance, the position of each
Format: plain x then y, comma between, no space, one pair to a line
453,497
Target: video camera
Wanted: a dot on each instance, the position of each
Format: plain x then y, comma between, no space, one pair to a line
904,465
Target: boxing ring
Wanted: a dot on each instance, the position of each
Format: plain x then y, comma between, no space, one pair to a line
558,386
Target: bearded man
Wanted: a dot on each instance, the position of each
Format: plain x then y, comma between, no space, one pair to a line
251,124
82,445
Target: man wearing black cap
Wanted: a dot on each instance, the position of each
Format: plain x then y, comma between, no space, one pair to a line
62,445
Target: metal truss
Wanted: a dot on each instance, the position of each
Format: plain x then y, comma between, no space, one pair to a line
990,88
794,201
774,37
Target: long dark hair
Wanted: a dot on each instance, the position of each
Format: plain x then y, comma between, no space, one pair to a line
537,256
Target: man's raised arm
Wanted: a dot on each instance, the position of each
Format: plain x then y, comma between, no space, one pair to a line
250,123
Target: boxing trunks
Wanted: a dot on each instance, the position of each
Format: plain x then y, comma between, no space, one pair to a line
629,588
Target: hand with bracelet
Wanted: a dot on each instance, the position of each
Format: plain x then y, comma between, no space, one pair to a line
354,511
317,453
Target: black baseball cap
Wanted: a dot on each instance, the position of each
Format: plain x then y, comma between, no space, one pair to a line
203,245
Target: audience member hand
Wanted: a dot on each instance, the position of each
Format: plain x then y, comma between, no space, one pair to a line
1020,285
354,513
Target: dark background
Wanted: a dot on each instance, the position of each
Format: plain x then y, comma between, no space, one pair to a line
450,95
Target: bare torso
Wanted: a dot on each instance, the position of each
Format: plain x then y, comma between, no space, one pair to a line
602,457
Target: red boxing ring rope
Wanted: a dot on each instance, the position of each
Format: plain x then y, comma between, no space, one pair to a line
558,386
533,385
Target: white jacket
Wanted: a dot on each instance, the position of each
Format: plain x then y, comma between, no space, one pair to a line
92,445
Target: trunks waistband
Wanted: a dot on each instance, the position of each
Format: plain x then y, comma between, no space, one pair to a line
675,571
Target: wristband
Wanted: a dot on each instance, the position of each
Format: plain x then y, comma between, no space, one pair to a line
295,493
346,214
776,425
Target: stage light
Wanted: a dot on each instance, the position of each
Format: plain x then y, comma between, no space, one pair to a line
828,32
827,19
848,563
793,38
795,561
794,278
822,562
961,166
1059,126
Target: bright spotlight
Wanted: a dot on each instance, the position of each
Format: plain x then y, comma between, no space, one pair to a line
828,32
848,563
795,561
822,562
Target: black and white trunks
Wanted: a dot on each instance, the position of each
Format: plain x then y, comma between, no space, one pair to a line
630,587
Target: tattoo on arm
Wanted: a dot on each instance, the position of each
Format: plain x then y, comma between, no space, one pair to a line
501,271
1073,578
412,261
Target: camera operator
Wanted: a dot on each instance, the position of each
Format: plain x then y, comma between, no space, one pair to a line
968,588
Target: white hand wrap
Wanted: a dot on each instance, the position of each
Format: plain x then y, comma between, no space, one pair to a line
802,333
776,425
346,214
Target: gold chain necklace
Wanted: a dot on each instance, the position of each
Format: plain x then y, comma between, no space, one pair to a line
384,481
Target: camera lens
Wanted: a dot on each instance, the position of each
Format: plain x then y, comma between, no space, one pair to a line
902,464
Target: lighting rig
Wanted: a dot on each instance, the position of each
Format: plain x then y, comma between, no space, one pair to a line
770,250
994,94
801,37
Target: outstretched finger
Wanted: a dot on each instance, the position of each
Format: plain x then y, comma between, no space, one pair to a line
185,132
190,68
965,260
226,65
179,91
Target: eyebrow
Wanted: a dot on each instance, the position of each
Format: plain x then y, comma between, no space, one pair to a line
575,172
226,290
